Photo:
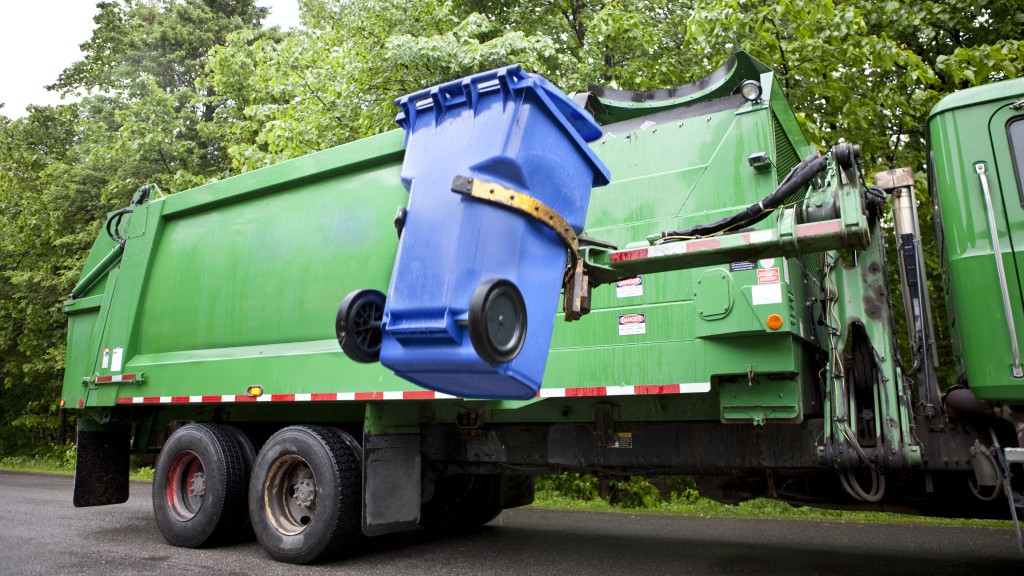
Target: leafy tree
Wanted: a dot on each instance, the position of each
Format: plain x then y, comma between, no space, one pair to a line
62,168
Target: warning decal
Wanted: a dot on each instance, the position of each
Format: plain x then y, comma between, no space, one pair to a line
629,287
768,276
106,358
622,440
115,361
632,324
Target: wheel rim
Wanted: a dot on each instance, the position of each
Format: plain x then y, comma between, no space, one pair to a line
497,321
365,325
186,486
502,315
290,495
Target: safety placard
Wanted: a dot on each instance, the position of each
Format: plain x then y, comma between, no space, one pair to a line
768,276
115,360
106,358
629,287
632,324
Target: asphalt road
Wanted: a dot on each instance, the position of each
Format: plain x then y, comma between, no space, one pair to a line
42,533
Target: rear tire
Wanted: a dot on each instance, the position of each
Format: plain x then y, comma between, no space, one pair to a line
462,501
199,487
305,495
248,452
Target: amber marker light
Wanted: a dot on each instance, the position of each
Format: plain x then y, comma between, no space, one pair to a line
254,391
62,402
774,321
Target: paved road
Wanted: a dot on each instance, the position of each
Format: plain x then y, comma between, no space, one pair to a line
41,533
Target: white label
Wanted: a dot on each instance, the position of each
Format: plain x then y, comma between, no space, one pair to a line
762,236
766,294
667,249
115,361
766,262
106,358
632,324
629,287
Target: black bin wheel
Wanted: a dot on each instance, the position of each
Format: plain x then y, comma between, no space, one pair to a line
358,325
497,321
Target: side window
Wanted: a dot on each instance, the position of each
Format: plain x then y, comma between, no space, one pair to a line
1015,133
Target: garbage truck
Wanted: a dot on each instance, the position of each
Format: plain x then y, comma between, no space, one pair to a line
405,330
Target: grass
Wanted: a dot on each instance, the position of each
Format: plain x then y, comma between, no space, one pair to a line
60,461
688,503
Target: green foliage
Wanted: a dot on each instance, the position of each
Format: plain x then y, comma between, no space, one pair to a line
63,168
678,495
634,492
570,485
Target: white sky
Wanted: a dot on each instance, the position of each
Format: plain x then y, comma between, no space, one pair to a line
40,38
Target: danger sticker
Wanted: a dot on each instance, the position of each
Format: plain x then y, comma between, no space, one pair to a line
629,287
768,276
106,358
632,324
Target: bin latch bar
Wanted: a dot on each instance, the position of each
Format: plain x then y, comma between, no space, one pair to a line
576,282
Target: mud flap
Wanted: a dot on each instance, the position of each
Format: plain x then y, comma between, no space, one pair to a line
101,468
391,483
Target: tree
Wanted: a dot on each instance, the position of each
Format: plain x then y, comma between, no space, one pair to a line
63,168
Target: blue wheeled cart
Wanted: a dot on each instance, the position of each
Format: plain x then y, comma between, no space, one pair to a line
498,170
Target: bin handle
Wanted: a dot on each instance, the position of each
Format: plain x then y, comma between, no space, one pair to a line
576,282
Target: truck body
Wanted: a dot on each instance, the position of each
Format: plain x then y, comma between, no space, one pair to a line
760,358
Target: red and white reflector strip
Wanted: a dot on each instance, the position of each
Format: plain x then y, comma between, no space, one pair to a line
695,388
116,378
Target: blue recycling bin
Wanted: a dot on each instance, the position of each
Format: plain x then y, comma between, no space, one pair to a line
475,287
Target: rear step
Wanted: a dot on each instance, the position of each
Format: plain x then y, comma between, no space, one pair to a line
1007,456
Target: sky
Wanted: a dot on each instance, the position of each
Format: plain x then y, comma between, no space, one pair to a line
40,38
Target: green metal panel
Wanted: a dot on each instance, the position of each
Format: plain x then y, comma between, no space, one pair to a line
236,284
959,142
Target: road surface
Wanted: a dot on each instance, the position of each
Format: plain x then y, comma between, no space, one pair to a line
42,533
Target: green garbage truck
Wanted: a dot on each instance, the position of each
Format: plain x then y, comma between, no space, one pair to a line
723,311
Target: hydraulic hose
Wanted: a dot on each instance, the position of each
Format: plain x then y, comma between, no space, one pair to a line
798,177
114,225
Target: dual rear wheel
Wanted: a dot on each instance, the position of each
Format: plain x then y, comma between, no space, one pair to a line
301,495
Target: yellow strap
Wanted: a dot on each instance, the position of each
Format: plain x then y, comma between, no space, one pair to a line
520,202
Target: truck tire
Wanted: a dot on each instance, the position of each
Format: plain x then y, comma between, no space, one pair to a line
462,501
305,495
248,452
199,487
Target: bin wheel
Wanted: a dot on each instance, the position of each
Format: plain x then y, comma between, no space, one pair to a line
305,496
199,487
358,325
497,321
